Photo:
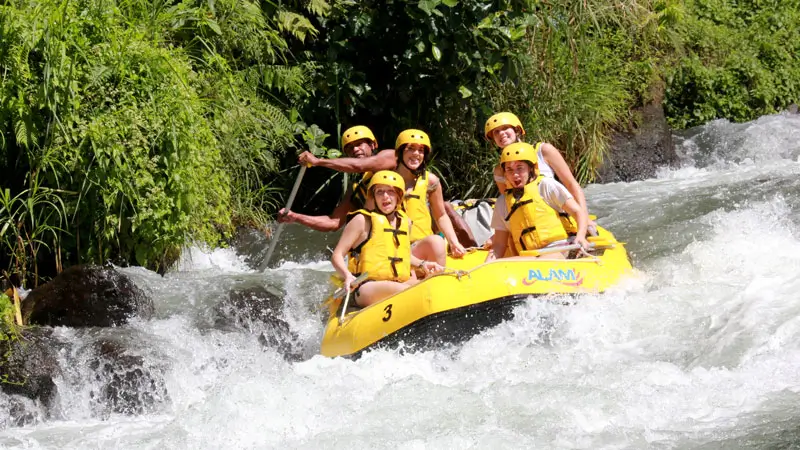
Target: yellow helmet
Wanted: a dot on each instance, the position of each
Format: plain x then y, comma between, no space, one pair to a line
357,132
413,136
519,151
389,178
500,119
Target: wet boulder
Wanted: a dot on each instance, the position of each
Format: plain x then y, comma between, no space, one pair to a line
638,153
124,383
28,365
87,296
249,307
258,309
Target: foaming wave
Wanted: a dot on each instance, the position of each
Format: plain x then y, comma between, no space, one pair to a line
195,259
721,143
320,266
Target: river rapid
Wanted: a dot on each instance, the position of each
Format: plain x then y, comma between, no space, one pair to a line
699,350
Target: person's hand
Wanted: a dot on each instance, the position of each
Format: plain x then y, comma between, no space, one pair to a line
286,216
457,250
592,228
349,279
581,240
488,244
430,267
490,257
308,159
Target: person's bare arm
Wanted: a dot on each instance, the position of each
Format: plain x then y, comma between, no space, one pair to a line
384,160
574,209
463,231
554,159
440,215
353,232
499,244
331,222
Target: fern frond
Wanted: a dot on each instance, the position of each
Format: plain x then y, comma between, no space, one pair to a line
21,133
319,8
295,24
287,79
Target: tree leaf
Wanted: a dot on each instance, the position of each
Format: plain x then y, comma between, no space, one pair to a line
214,26
429,6
437,54
465,93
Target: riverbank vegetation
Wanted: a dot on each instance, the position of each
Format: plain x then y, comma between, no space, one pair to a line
131,128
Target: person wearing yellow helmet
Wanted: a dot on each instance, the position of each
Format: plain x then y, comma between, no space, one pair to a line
505,128
423,196
529,211
358,144
377,243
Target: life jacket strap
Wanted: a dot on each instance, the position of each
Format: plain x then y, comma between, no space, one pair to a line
517,206
522,235
395,261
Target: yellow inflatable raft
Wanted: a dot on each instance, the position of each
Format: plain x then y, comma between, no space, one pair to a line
469,297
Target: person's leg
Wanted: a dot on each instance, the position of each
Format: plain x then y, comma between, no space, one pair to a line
431,248
375,291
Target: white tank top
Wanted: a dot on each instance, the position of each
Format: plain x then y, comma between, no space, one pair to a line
544,168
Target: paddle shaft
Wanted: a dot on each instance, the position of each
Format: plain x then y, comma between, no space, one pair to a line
279,229
564,248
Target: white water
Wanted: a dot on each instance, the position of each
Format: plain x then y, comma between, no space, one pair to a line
700,350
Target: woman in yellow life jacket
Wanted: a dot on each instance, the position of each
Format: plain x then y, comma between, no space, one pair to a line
504,129
528,211
413,149
377,242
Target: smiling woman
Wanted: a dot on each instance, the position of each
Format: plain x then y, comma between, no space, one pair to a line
424,200
377,244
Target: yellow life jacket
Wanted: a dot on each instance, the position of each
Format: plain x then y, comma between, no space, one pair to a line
416,206
569,224
359,197
532,222
386,254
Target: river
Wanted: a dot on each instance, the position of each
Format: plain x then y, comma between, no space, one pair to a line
699,350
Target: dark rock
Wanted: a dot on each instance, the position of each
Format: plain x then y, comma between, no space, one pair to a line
638,153
258,310
126,385
27,368
249,307
86,296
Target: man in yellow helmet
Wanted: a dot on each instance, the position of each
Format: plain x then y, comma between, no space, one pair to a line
529,210
359,144
377,242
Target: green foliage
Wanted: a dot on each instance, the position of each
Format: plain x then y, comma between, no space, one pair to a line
740,61
580,80
130,129
398,62
9,332
8,328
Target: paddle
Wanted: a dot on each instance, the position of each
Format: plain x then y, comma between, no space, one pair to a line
279,229
343,291
564,248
